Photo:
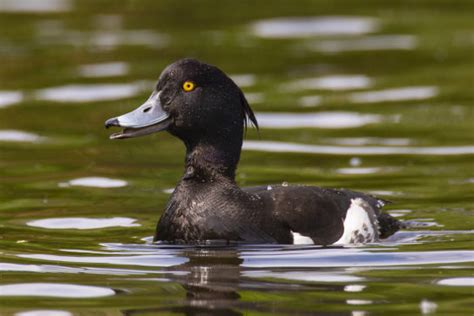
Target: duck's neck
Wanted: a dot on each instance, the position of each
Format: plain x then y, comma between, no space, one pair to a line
210,158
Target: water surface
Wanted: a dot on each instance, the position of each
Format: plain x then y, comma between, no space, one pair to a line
372,96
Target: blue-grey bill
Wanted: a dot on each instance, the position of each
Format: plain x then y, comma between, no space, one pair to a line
146,119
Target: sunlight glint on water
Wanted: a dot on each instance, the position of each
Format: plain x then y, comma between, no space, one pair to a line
270,146
389,94
314,26
83,223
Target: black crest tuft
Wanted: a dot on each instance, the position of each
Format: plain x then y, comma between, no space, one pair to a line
247,112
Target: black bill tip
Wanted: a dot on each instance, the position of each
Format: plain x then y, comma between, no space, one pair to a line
112,122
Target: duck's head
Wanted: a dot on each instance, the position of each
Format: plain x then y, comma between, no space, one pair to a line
192,100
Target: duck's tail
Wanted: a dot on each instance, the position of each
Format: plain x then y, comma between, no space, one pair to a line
388,225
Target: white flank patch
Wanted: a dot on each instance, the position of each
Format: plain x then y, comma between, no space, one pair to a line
358,227
299,239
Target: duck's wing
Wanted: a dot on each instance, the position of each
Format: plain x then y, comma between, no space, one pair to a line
324,216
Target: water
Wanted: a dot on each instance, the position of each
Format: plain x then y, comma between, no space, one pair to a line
375,97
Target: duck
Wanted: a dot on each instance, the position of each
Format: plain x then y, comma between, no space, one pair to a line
204,108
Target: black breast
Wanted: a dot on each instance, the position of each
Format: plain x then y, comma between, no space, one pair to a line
218,210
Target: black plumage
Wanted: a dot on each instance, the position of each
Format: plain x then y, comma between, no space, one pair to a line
207,204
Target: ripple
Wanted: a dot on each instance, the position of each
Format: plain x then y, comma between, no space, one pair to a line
44,268
398,94
385,193
422,222
55,290
468,281
332,82
354,288
244,80
155,260
428,307
360,141
273,146
359,302
262,256
95,182
355,161
108,21
417,237
111,39
111,69
79,93
43,6
462,181
83,223
331,120
105,39
308,276
349,257
359,170
10,97
296,27
44,312
255,97
379,42
310,101
19,136
399,213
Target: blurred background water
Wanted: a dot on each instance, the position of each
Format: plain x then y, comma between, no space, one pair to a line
375,96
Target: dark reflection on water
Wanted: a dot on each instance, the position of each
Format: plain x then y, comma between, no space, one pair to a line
211,285
213,282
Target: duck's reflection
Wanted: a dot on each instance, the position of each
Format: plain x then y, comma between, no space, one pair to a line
212,288
211,284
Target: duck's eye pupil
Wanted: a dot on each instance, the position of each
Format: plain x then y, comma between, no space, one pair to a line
188,86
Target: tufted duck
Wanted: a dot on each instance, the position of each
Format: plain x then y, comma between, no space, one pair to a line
202,106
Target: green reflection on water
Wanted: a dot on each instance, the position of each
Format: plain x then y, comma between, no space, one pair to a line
43,50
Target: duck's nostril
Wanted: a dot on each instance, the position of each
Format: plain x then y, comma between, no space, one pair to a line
147,109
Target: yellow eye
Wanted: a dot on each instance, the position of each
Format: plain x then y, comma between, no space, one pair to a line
188,86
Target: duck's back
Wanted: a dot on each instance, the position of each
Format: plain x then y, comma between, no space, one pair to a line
326,216
283,214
